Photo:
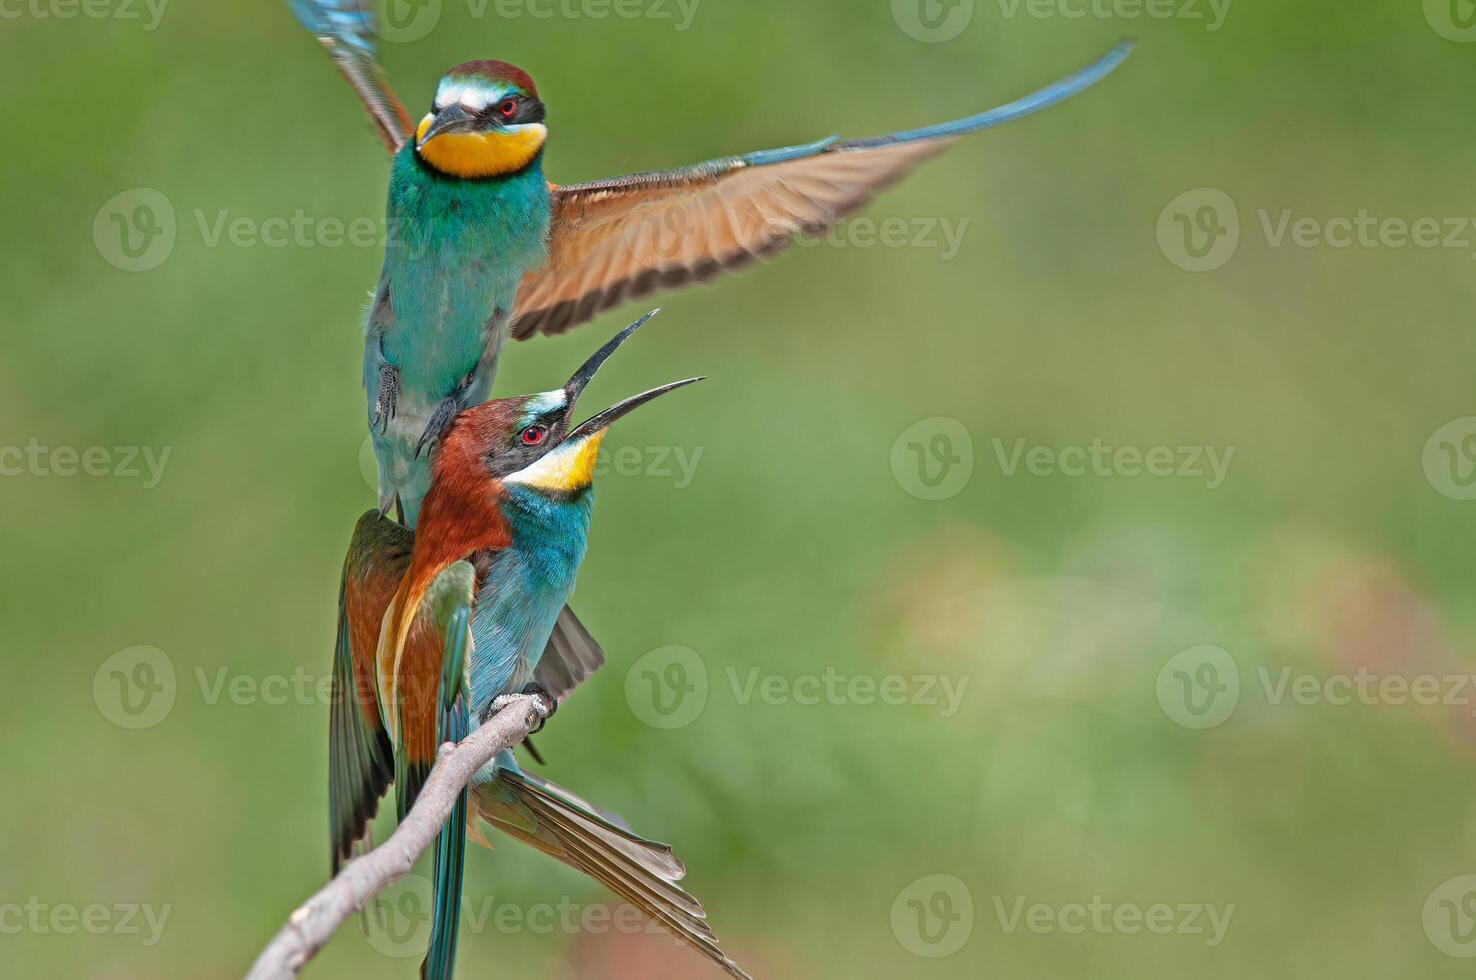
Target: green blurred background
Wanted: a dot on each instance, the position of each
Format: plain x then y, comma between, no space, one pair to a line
802,542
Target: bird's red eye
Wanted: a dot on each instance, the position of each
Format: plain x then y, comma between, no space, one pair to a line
532,435
508,108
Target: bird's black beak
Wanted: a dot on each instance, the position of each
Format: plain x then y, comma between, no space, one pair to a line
603,420
452,119
587,370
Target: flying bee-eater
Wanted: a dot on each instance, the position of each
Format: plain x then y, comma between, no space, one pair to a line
437,624
483,247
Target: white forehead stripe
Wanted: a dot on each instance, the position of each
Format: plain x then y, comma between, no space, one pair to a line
474,96
543,403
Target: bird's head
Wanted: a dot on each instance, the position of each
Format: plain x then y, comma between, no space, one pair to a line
524,451
486,121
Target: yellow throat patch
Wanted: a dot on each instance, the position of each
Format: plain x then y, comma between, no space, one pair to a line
564,470
487,154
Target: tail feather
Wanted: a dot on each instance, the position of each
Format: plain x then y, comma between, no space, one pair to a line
615,820
614,854
690,930
554,800
450,859
642,872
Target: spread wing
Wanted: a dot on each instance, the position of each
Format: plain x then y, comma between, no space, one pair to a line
345,28
619,239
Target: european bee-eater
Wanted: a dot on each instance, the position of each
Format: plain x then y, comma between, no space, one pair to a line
423,650
483,247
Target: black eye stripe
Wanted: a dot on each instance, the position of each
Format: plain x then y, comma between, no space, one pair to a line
530,110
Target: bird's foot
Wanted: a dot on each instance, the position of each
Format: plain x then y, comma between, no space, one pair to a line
546,705
441,419
446,411
387,398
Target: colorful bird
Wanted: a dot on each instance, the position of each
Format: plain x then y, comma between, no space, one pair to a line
422,650
483,247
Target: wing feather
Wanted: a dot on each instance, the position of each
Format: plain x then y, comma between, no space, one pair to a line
620,239
345,28
360,755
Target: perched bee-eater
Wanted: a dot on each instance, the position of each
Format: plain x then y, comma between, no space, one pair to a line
483,247
422,650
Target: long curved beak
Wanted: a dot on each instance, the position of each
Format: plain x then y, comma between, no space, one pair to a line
587,370
603,420
452,119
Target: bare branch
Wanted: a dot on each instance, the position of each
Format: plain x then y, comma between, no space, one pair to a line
313,923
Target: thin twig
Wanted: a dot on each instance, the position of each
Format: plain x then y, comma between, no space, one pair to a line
313,923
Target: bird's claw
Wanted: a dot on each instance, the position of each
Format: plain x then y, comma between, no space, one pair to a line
387,398
440,421
548,705
545,706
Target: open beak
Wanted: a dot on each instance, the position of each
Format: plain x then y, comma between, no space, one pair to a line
602,421
452,119
587,370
